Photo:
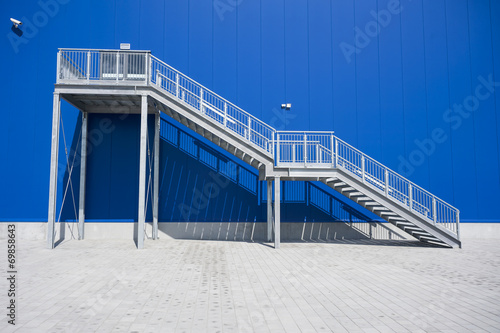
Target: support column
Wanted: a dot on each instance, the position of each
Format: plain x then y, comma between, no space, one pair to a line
269,186
142,172
83,176
277,213
54,159
156,175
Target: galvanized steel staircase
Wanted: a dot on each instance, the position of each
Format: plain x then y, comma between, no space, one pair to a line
104,75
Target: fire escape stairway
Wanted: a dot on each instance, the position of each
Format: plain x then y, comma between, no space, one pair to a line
316,156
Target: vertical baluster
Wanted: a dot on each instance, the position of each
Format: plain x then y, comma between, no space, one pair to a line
249,128
88,65
332,150
434,212
149,62
201,100
410,196
178,90
277,157
117,65
363,168
336,153
271,150
318,156
386,183
59,74
225,114
305,148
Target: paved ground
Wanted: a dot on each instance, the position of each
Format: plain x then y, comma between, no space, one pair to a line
215,286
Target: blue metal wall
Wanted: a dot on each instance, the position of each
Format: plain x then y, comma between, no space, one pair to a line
411,83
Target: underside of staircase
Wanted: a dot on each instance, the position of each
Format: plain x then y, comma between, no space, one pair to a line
112,81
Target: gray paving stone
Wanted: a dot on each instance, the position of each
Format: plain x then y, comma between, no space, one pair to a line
207,286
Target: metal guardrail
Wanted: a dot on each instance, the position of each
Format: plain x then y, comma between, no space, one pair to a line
103,65
290,149
139,67
212,105
325,150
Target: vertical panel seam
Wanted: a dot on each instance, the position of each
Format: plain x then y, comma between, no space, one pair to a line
260,51
332,62
426,97
449,102
308,68
355,75
494,80
402,82
473,116
380,144
284,50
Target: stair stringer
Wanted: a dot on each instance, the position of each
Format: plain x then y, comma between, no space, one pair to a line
368,190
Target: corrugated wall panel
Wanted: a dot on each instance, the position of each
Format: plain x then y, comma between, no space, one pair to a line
384,91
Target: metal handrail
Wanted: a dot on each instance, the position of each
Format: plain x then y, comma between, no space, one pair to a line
388,169
425,204
200,92
321,148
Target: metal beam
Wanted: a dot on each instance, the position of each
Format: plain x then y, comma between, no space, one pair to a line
269,185
54,159
142,172
83,176
277,213
156,175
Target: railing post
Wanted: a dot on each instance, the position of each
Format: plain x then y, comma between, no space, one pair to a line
158,82
59,65
434,211
336,153
318,155
249,129
332,149
294,147
88,65
225,114
178,90
277,157
386,183
271,149
410,196
457,222
363,168
149,62
305,148
201,100
117,65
